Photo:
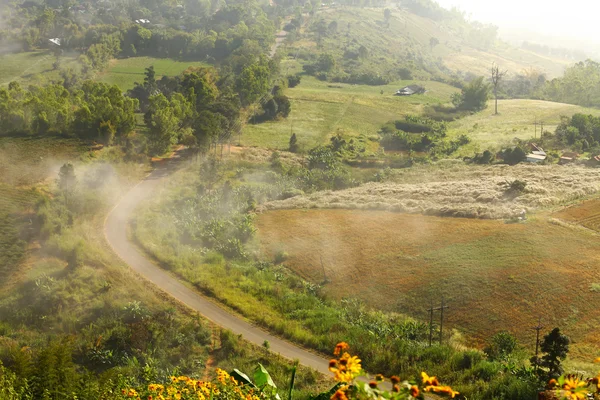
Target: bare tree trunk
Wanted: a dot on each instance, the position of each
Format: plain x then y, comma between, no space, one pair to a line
496,97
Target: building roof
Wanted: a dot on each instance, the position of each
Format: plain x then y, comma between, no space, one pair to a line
535,157
56,41
411,89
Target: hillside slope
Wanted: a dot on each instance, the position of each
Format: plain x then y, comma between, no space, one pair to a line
405,40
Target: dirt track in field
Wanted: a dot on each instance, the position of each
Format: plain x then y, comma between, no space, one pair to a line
116,234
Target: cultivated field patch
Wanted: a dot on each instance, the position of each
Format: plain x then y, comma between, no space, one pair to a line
476,193
586,214
33,67
494,275
127,71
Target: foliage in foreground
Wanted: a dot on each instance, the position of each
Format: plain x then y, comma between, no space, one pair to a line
238,386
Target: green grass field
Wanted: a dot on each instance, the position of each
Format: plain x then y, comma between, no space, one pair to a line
29,159
515,120
32,67
15,203
127,71
321,109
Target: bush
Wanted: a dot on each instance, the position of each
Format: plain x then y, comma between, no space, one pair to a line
473,96
280,257
501,345
466,360
514,156
293,80
412,127
485,158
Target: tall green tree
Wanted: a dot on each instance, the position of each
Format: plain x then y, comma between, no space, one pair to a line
555,347
253,82
474,96
67,180
163,124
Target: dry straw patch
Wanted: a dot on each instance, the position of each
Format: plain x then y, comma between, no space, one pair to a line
259,155
449,189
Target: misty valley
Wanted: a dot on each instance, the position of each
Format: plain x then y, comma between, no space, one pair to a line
299,200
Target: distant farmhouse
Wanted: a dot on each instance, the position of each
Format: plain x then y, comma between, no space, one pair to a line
537,154
410,90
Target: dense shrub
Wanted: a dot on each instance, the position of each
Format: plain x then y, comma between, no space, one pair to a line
473,97
293,80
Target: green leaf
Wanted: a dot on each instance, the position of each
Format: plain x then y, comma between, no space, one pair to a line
263,380
241,377
262,377
327,395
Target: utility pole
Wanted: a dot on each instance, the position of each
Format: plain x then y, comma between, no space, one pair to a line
430,324
537,329
535,128
442,319
542,128
431,310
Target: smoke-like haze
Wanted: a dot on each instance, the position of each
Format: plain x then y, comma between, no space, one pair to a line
568,22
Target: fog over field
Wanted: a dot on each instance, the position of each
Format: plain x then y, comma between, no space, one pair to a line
556,23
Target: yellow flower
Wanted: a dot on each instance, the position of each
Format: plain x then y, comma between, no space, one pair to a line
597,360
575,389
342,346
349,367
414,391
442,389
340,394
429,380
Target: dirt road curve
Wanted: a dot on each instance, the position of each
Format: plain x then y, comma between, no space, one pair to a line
115,230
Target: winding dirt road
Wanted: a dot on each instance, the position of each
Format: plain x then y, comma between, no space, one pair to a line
115,230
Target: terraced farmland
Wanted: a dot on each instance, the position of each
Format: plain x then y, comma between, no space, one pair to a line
586,214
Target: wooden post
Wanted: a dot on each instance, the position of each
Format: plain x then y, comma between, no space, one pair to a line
442,319
430,324
537,329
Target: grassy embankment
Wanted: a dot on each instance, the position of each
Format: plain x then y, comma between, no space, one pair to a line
60,277
515,120
408,35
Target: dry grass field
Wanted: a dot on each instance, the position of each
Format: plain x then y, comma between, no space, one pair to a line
453,189
494,275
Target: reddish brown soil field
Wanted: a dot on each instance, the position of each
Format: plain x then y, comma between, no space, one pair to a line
495,276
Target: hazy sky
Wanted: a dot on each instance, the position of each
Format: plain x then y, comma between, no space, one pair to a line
572,18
